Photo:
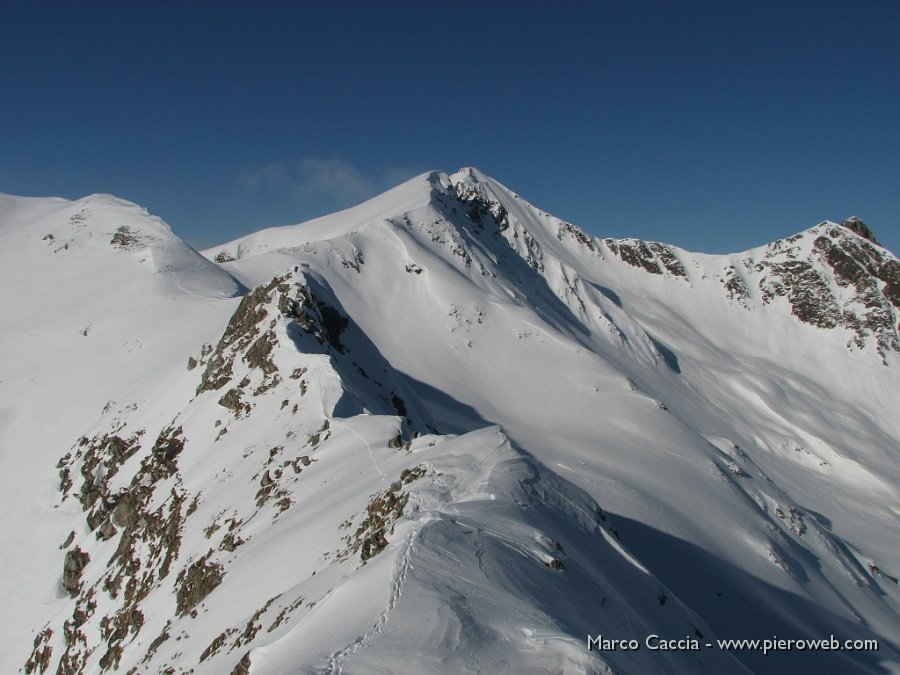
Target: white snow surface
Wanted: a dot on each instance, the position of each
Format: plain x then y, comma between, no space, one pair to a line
444,432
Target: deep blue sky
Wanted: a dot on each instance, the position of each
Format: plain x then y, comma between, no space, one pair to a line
712,125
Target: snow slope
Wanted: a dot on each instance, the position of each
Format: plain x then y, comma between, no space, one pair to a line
95,292
445,432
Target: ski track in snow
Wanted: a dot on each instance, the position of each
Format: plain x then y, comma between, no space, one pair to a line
402,566
384,477
188,291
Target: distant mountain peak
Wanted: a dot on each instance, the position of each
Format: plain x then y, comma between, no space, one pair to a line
855,224
468,174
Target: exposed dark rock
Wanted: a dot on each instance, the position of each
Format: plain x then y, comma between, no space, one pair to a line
638,254
157,642
668,259
889,273
650,256
793,519
125,238
534,256
284,614
243,666
197,582
253,626
125,513
218,642
230,542
297,308
807,291
217,374
735,286
249,314
241,331
41,653
75,642
854,224
383,510
407,476
106,530
115,630
158,536
481,210
260,353
871,275
232,401
75,562
576,233
251,337
96,516
300,462
165,452
108,450
354,263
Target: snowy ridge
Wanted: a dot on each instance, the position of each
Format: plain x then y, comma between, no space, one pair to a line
391,453
99,224
159,502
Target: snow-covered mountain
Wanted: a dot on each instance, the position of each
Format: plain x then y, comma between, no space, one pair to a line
442,431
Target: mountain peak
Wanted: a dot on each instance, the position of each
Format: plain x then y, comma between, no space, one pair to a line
855,224
469,175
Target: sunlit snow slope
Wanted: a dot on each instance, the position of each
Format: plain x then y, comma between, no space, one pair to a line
444,432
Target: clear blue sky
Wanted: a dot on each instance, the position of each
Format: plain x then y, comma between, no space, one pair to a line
712,125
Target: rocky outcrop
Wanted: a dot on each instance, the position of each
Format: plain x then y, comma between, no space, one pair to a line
833,277
856,225
196,582
74,565
651,256
383,510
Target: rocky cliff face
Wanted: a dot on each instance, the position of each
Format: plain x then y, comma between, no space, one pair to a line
278,364
833,276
